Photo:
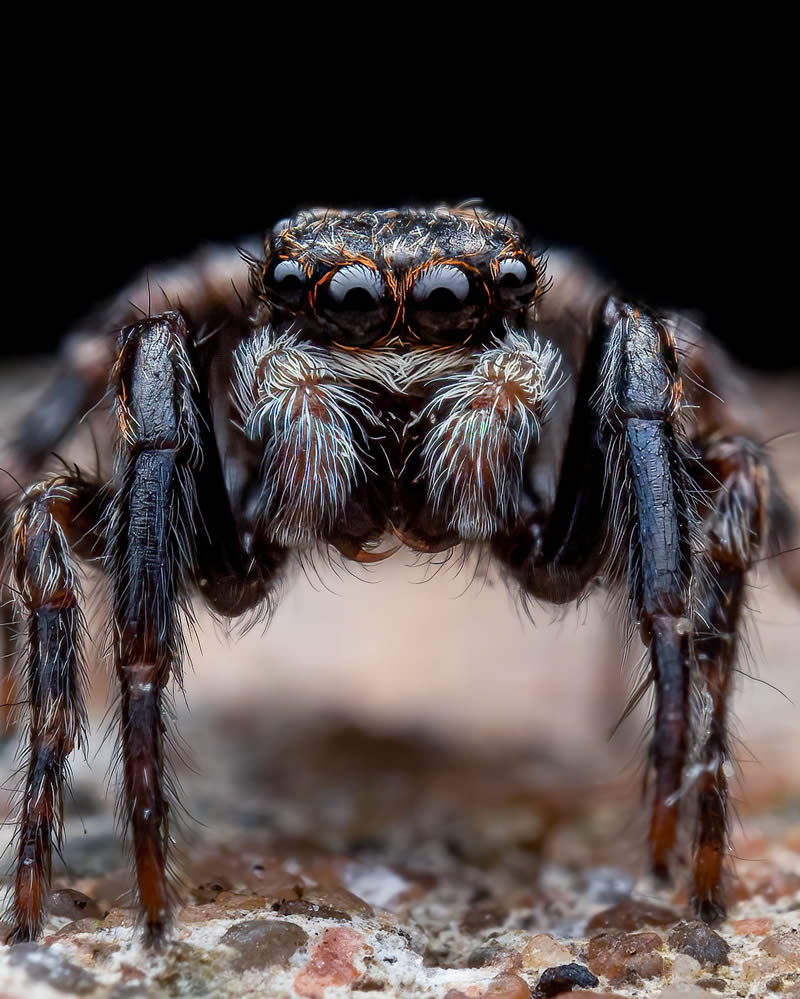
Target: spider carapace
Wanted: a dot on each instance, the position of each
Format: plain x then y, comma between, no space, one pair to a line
411,374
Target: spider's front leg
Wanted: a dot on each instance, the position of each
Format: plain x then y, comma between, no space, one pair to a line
151,556
624,508
169,494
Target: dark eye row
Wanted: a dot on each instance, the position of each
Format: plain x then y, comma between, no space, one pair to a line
445,300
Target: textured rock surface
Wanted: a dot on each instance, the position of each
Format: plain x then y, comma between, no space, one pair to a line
383,815
621,957
700,942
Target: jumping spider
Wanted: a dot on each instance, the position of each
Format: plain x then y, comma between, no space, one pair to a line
407,373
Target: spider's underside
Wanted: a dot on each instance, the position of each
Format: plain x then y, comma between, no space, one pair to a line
403,373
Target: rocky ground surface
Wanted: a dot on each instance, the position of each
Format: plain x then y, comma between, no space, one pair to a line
408,791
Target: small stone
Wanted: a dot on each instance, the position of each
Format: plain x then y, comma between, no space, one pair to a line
41,964
236,902
78,926
700,942
120,917
564,978
761,967
203,913
751,927
632,915
494,954
785,944
625,958
712,984
339,899
542,951
263,943
331,963
305,907
507,986
685,969
73,904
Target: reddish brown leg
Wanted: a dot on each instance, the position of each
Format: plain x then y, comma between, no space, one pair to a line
738,480
56,515
151,549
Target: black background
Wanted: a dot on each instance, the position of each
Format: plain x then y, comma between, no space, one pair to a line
688,216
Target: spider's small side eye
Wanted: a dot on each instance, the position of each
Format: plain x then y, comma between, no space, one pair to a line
286,283
355,302
515,281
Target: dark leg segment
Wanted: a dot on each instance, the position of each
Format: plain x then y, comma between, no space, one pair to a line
55,516
654,535
623,509
736,477
171,526
151,553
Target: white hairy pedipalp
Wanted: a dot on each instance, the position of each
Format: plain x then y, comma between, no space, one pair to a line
484,422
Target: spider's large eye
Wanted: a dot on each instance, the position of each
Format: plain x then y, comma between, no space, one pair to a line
515,281
286,283
445,303
354,301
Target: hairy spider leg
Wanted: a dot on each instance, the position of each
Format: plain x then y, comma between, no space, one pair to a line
624,507
746,517
57,516
150,531
154,554
734,474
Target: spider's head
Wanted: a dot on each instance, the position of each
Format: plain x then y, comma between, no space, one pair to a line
442,276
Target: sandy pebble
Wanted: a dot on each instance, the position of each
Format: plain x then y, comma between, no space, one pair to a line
543,951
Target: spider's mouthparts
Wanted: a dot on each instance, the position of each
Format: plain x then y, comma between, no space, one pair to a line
357,553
